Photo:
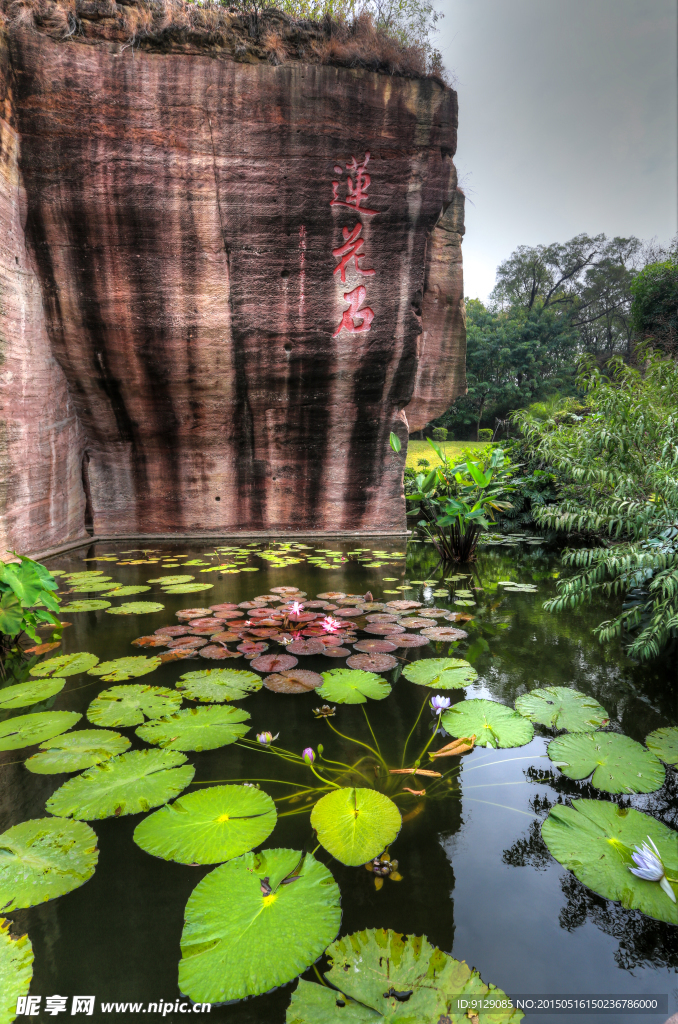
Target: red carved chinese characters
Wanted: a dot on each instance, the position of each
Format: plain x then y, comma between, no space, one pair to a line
351,250
357,318
365,316
357,192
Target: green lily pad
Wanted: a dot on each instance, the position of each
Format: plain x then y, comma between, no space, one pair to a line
379,975
187,588
16,970
255,923
128,591
352,686
559,707
196,728
215,685
44,858
355,825
210,826
663,743
136,781
595,839
22,695
96,586
131,705
75,751
169,580
65,665
492,724
618,763
125,668
26,730
85,606
136,608
441,673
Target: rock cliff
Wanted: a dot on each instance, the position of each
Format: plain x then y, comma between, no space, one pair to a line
223,280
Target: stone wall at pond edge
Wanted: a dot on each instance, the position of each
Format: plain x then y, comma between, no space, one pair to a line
226,274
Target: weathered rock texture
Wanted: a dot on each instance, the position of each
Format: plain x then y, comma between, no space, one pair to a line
169,301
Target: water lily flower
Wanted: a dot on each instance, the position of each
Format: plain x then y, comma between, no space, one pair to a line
324,712
266,738
649,867
331,625
439,704
308,755
296,608
383,867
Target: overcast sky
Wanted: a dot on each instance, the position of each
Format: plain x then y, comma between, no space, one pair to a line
567,122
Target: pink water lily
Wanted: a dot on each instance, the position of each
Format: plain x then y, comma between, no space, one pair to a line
308,755
296,608
331,625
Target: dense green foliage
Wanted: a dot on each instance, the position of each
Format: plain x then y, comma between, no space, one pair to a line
654,313
618,485
456,503
27,598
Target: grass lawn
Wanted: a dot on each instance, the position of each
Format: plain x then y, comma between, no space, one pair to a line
454,450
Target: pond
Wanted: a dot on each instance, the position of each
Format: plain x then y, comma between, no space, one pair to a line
476,876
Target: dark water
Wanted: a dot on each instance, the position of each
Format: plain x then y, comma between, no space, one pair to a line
478,880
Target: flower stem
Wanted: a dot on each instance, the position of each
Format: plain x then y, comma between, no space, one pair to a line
359,742
433,736
409,737
369,726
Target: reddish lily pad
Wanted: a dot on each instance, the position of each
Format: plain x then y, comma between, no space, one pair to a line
349,613
286,590
382,617
410,640
375,646
416,622
444,633
190,643
332,639
192,613
264,632
274,663
178,654
336,652
173,630
402,606
297,681
372,662
332,595
152,641
316,604
218,653
206,622
226,607
306,647
433,613
228,636
383,628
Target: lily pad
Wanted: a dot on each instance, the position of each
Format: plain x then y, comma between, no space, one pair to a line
409,640
444,633
75,751
128,591
353,686
65,665
492,724
136,608
296,680
274,662
664,743
369,662
127,784
559,707
125,668
379,975
618,763
210,826
197,728
187,588
44,858
355,825
22,695
441,673
215,685
94,605
16,970
595,839
256,923
131,705
93,586
168,581
26,730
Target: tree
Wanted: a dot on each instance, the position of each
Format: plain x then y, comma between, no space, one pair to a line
654,313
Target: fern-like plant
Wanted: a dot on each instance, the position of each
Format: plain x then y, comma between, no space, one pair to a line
618,472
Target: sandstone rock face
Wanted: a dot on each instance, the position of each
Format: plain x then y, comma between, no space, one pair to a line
236,280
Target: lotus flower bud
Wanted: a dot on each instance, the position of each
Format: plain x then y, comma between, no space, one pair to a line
266,738
308,755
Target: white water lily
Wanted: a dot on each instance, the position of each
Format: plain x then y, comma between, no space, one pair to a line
650,868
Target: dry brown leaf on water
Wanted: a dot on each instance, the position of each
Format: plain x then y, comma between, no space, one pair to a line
42,648
415,771
414,792
464,745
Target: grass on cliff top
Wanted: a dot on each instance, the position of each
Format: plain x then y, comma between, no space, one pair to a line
453,449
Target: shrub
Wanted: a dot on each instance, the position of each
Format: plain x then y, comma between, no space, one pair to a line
439,433
485,434
27,598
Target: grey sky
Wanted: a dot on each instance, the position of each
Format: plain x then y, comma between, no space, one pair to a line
567,122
